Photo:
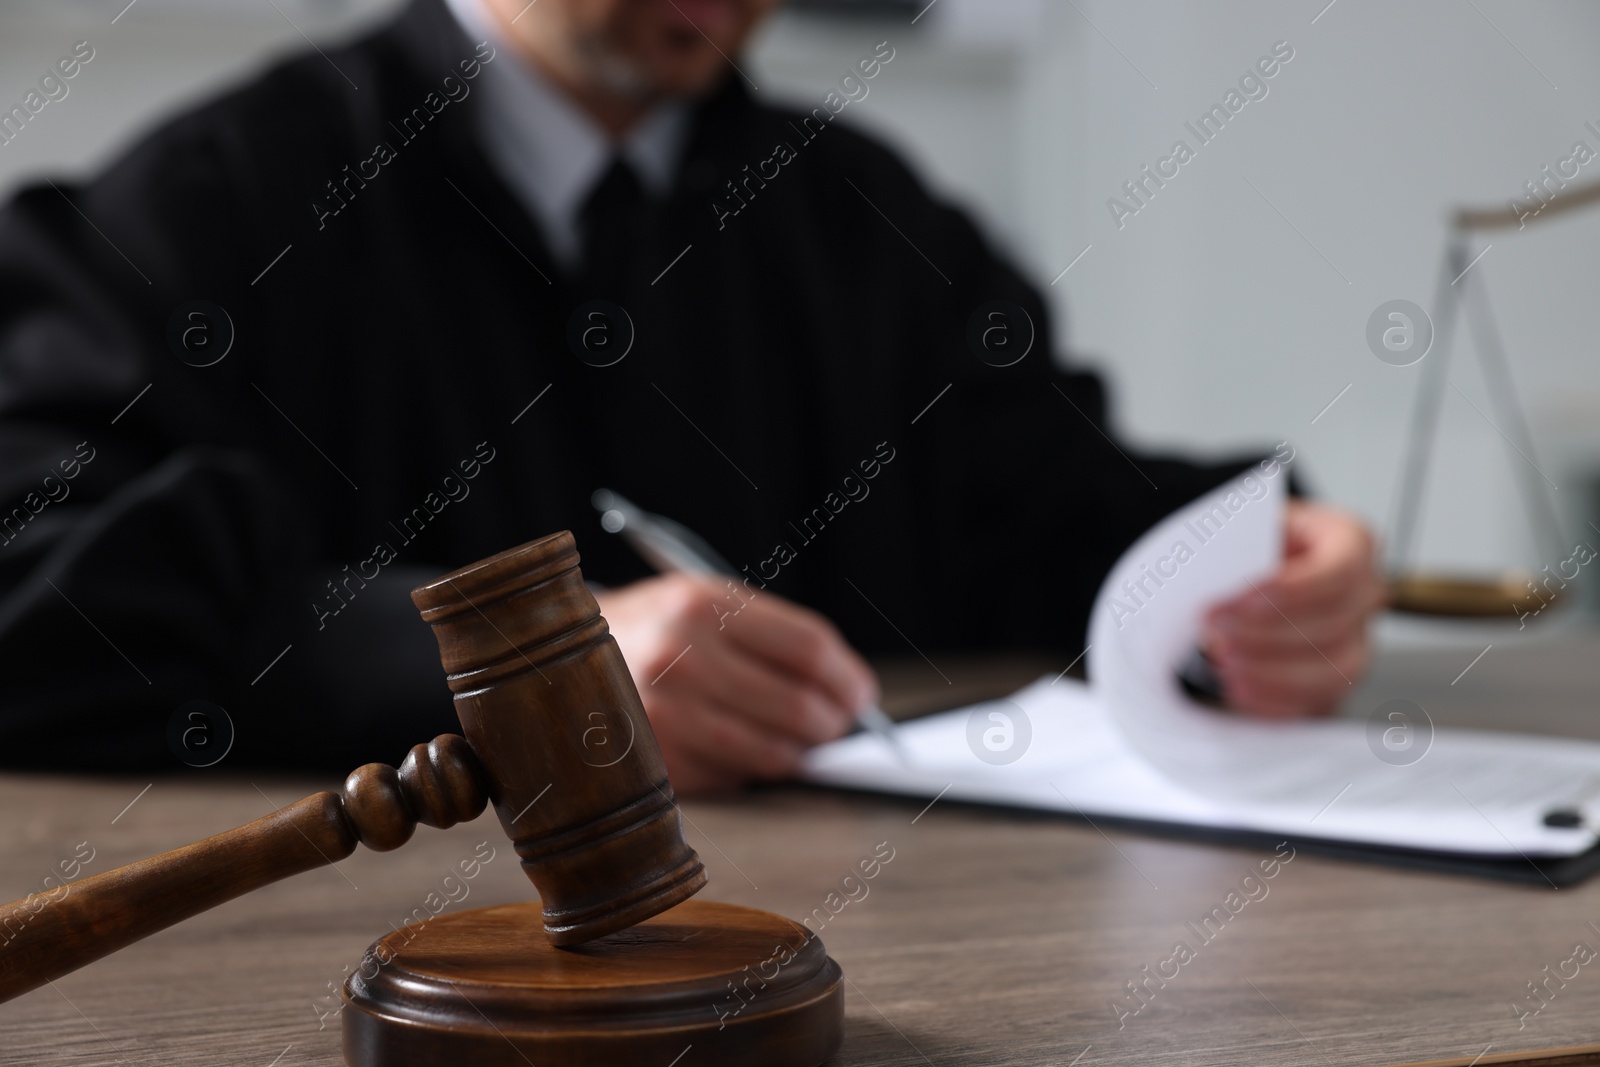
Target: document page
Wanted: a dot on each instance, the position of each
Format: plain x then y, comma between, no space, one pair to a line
1133,744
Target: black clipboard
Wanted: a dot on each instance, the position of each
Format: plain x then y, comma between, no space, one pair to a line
1550,872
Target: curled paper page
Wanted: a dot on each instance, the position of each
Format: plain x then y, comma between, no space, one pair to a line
1467,790
1147,620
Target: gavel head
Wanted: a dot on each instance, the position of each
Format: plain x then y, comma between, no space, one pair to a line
574,772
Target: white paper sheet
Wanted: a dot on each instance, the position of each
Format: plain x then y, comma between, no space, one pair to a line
1134,745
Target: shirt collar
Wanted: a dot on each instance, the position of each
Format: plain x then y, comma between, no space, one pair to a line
548,150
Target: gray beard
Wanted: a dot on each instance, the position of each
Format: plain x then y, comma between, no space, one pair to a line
614,72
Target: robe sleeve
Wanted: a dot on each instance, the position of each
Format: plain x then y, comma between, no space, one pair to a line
1023,493
151,550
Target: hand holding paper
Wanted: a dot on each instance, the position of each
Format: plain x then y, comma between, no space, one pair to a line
1293,644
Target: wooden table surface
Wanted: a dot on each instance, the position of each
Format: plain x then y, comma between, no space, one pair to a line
988,938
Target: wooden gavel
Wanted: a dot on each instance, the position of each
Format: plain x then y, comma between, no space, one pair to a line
555,737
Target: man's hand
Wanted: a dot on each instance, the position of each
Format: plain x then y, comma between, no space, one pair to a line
1297,643
734,693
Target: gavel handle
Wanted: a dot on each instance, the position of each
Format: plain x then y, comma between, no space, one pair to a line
46,935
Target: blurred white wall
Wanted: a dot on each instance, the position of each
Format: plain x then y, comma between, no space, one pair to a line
1232,308
157,56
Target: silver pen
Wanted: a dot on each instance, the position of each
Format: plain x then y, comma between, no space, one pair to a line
671,546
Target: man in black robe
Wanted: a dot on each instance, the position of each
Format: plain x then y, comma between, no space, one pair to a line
336,332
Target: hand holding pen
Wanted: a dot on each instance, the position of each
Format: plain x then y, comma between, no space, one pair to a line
730,698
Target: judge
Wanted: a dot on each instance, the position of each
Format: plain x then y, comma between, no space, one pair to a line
396,306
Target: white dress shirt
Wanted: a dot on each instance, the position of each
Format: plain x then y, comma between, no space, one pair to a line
547,150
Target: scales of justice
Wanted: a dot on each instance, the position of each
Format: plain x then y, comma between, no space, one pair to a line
1462,293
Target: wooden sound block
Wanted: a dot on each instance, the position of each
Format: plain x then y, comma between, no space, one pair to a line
703,984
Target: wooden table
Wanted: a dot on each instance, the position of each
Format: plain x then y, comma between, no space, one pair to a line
988,938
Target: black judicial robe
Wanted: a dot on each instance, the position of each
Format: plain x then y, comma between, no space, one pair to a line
246,532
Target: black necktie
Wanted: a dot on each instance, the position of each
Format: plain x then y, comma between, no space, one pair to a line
612,221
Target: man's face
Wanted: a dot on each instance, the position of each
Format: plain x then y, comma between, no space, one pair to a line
653,47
